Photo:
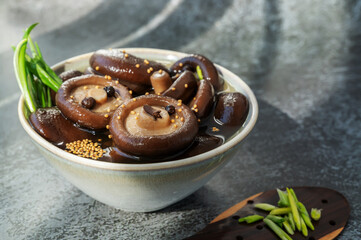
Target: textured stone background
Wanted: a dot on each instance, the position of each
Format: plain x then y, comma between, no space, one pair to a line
301,58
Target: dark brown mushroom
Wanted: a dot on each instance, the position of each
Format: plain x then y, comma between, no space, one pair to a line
72,93
209,71
203,101
231,109
51,125
69,74
137,132
183,88
202,143
129,70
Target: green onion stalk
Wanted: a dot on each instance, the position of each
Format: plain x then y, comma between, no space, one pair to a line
34,76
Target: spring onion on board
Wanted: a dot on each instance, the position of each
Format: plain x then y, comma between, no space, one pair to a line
250,219
280,211
316,214
265,206
289,215
276,229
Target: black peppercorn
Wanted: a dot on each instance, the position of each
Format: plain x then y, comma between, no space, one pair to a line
170,109
110,91
88,102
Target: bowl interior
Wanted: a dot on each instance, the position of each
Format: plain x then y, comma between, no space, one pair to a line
81,62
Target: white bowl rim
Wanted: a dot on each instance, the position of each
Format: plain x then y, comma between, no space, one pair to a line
147,166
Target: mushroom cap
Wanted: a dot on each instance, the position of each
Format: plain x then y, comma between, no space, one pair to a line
203,101
209,71
153,145
184,87
231,109
82,116
123,66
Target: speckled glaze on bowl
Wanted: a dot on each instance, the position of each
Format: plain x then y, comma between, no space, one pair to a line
142,187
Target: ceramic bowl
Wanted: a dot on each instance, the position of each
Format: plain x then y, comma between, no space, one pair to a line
143,187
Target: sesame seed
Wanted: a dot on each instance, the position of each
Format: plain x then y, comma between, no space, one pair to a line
132,112
176,116
123,51
158,94
199,120
110,136
160,71
85,87
172,120
179,104
97,87
107,126
136,118
123,106
126,55
106,115
72,97
182,119
175,125
118,117
180,64
179,100
146,61
97,68
151,69
196,110
108,110
148,71
147,93
99,140
195,106
179,110
186,85
117,82
134,99
173,89
194,98
137,65
130,92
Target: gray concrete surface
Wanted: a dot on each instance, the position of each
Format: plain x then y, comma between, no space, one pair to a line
301,58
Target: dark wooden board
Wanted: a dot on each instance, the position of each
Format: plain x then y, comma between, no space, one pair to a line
335,214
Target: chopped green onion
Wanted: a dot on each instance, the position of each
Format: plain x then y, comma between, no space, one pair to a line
287,226
293,194
199,72
276,219
296,215
304,228
250,219
292,222
283,202
316,214
305,215
280,211
277,230
264,206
